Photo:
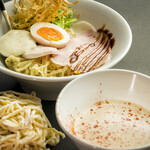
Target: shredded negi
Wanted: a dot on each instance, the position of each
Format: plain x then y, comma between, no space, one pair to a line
31,11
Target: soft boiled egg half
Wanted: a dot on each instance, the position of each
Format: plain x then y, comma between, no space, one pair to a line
49,34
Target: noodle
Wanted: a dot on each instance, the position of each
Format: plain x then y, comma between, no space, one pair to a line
23,124
32,11
37,67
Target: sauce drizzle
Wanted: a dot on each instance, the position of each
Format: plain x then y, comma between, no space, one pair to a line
91,56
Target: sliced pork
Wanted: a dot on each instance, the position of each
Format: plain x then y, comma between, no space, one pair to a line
63,56
92,55
40,51
87,51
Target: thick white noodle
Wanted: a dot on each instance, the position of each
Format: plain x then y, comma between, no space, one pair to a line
23,124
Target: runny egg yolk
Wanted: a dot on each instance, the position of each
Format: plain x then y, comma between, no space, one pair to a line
50,34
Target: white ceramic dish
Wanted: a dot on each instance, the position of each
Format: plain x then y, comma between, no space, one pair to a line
98,15
84,91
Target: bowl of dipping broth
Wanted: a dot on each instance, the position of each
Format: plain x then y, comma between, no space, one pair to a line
102,34
106,110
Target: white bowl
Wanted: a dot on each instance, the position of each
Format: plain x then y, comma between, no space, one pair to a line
7,82
98,15
84,91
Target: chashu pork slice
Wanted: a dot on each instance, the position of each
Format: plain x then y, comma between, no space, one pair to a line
40,51
89,50
94,54
63,56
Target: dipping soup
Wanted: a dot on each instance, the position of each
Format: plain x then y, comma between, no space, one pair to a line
114,124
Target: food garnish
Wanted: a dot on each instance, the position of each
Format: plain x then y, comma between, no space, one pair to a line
53,11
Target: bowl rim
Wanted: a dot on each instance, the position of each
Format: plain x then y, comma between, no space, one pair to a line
57,106
69,78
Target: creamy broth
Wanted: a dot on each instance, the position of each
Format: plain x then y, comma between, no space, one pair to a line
114,124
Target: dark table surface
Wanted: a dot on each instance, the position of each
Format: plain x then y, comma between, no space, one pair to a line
137,14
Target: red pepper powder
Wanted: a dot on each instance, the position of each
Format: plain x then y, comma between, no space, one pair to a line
95,126
109,133
130,114
126,119
98,103
106,122
107,102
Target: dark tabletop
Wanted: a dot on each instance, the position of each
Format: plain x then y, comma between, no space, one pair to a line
137,14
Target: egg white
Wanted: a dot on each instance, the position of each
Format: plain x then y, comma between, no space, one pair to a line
39,39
